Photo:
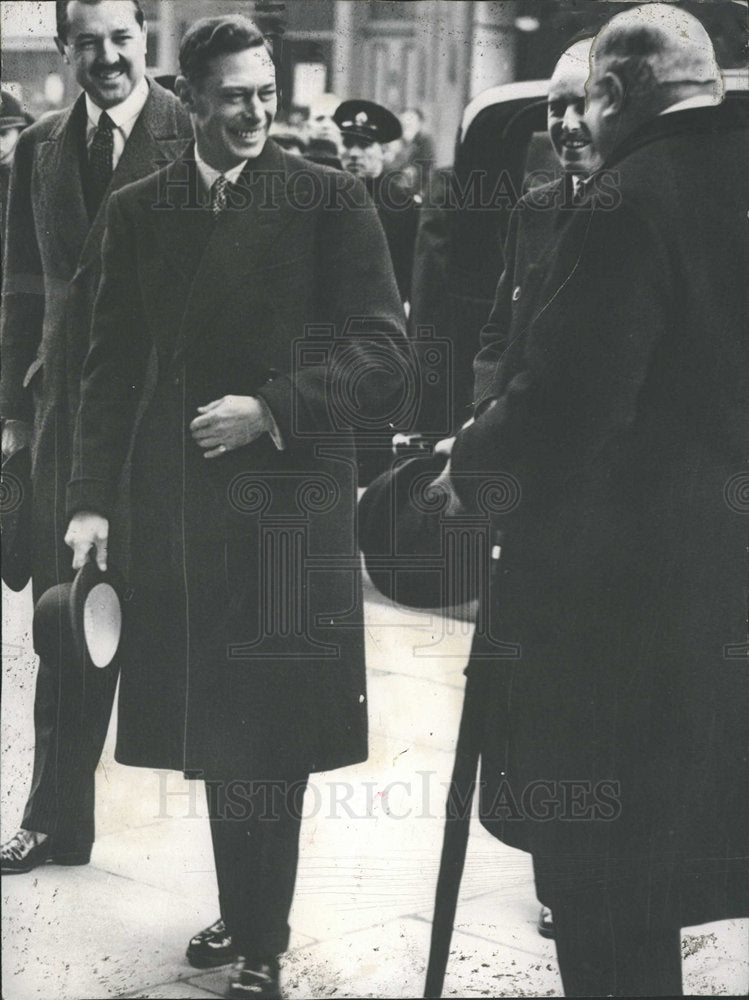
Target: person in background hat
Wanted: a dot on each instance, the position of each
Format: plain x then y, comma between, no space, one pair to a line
65,167
366,128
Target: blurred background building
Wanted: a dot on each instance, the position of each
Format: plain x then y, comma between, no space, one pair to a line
430,54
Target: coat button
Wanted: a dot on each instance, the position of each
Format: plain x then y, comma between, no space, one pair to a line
516,293
177,380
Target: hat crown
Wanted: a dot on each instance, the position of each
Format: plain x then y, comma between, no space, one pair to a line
369,120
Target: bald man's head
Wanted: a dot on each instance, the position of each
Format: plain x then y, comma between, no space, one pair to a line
643,61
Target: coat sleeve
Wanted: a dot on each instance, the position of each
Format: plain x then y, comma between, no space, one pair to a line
113,374
364,369
603,312
23,289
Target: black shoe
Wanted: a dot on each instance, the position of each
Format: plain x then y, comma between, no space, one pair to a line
546,923
250,978
211,947
21,854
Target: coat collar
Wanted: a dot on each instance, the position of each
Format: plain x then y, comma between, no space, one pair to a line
230,251
159,135
692,121
154,141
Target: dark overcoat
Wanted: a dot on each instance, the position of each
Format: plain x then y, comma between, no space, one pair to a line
399,215
244,645
618,734
53,266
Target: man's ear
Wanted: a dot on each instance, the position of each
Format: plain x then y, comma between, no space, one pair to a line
613,88
184,92
61,49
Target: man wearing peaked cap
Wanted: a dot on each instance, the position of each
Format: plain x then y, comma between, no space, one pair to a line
368,120
366,128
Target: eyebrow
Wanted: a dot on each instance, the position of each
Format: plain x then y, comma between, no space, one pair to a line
232,88
90,36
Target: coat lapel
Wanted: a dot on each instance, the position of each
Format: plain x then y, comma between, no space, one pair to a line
159,136
181,223
239,245
59,163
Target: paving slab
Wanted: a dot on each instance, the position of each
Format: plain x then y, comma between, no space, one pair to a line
389,960
170,991
716,959
73,933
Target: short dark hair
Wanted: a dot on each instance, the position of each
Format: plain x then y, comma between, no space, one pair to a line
216,36
62,16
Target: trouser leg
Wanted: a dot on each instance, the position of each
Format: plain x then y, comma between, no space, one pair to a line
255,828
72,708
619,940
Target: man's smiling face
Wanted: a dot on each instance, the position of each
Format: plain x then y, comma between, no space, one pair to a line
568,130
106,47
233,107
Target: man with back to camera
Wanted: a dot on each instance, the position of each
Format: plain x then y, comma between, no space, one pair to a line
219,264
120,128
620,410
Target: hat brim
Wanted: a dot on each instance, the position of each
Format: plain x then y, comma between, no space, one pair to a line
401,535
81,622
96,613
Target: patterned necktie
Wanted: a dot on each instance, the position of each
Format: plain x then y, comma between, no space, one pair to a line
579,191
100,157
218,195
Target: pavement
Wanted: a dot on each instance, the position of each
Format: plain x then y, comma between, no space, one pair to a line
371,840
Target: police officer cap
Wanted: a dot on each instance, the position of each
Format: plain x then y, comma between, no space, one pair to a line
368,121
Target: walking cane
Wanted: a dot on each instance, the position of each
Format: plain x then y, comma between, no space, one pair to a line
454,844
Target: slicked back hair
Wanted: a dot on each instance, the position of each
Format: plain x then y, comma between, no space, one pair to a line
63,22
216,36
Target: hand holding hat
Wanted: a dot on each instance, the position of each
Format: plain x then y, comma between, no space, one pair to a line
88,531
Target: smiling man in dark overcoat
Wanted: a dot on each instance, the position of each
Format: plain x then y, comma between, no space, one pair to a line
613,746
121,128
262,287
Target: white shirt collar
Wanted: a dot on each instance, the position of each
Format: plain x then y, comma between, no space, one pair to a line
210,174
700,101
124,113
